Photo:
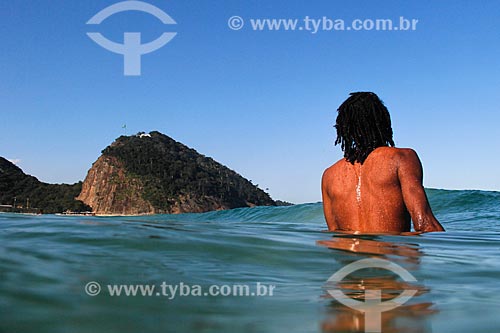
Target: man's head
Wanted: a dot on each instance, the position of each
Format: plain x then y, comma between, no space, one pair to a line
363,124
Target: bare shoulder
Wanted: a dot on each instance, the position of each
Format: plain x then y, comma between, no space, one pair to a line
406,152
409,165
331,172
328,173
407,155
400,152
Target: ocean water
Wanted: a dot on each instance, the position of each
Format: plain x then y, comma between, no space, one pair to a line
47,261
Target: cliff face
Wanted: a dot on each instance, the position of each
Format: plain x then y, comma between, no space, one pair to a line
154,174
109,190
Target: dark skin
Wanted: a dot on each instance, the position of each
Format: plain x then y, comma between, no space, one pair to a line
382,195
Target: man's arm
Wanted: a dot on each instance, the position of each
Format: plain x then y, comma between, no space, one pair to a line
411,179
327,203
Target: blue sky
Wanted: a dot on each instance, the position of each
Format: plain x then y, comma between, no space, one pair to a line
261,102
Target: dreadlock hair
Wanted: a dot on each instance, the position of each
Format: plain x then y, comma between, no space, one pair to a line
363,124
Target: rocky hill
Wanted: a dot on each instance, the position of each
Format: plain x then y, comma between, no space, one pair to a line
28,194
154,174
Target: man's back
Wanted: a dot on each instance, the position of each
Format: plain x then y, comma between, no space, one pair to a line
379,195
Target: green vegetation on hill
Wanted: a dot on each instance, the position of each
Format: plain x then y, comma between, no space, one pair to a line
25,190
149,173
169,169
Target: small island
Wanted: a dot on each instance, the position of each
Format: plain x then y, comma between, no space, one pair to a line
135,175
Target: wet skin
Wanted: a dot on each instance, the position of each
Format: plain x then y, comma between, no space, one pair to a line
382,195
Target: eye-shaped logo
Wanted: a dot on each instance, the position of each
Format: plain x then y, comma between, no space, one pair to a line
131,49
373,305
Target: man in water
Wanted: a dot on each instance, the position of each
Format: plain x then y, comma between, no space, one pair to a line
375,188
